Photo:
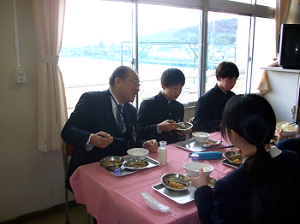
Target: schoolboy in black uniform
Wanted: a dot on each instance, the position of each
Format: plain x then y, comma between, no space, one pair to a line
157,116
210,106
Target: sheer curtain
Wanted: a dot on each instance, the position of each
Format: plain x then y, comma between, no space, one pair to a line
48,17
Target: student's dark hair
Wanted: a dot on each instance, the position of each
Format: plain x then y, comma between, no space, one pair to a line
120,72
252,118
227,69
172,77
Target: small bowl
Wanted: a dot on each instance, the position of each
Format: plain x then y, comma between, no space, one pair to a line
137,153
175,181
288,129
112,162
231,155
192,168
201,137
184,126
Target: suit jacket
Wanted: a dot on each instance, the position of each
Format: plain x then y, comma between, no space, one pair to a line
93,113
155,110
231,199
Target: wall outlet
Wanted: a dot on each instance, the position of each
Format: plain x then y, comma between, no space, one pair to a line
21,75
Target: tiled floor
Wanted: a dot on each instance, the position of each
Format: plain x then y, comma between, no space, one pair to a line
77,215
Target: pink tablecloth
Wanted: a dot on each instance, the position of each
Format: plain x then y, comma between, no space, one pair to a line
112,199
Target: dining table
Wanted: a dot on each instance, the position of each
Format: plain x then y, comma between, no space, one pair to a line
118,199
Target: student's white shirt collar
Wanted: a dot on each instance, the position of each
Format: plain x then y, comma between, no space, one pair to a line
274,151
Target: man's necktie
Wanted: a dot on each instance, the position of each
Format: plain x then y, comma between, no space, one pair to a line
119,119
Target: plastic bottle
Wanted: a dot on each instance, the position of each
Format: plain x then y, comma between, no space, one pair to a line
162,152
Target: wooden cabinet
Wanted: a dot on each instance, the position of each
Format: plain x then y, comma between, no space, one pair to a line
283,92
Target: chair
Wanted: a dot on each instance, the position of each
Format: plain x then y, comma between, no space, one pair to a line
67,151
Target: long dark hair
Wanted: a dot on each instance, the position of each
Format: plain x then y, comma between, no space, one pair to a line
252,117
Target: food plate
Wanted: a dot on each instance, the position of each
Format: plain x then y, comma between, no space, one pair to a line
274,140
226,162
124,172
175,181
233,157
180,197
184,126
133,164
112,162
211,143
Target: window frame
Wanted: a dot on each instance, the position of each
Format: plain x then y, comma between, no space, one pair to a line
223,6
204,6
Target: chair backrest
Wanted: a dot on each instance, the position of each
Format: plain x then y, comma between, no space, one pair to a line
67,151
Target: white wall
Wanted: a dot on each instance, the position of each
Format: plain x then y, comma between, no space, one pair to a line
30,180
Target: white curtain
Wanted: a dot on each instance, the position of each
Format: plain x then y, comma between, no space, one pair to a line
52,110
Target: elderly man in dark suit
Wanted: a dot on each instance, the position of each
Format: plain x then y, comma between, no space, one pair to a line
103,123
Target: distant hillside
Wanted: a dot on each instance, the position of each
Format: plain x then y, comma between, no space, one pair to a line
220,27
224,26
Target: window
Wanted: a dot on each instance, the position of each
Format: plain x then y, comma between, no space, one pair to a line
264,49
228,40
243,1
95,42
98,37
168,39
270,3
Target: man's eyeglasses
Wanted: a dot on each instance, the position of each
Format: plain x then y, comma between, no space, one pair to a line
136,82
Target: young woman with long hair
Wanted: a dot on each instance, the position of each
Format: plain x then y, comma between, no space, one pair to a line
266,187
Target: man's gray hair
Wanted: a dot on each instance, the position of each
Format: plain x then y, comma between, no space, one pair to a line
120,72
